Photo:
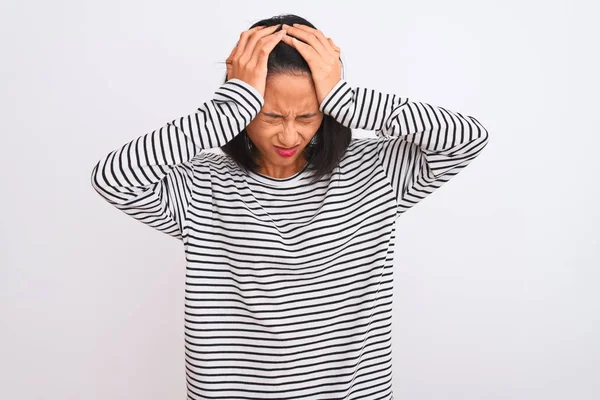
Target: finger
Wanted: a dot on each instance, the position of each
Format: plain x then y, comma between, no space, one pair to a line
326,47
254,37
306,50
243,40
337,49
229,62
311,39
229,59
265,45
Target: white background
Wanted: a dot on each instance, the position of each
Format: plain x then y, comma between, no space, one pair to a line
497,273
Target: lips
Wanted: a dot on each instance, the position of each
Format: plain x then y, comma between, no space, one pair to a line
286,152
287,148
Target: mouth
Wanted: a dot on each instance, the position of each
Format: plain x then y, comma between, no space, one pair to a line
286,152
287,148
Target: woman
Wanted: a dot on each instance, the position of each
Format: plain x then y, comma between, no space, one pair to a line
289,235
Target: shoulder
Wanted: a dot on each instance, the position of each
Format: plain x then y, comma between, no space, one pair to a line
361,148
216,164
360,144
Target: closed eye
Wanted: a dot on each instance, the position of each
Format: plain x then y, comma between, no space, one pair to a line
303,116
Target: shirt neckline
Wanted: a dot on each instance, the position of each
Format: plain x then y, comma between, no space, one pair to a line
289,181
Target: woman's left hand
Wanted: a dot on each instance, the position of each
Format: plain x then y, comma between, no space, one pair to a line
321,54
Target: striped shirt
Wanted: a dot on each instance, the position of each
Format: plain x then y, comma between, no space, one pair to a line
288,291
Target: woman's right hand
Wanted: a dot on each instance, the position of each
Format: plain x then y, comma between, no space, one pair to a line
248,59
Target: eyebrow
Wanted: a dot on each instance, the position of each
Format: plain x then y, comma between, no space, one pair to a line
274,115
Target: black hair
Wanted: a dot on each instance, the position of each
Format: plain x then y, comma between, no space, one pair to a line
332,138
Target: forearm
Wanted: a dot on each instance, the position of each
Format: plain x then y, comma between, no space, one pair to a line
146,160
431,128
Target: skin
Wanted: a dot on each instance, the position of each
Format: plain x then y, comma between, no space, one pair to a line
290,117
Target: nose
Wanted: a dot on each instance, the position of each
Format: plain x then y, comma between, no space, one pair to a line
289,136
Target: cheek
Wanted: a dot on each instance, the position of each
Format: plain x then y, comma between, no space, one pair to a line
260,131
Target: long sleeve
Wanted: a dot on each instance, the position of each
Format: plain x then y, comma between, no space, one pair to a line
419,146
150,177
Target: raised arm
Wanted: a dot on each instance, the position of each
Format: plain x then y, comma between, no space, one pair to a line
420,146
150,177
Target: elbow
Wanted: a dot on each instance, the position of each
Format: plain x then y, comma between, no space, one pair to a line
483,136
94,176
97,182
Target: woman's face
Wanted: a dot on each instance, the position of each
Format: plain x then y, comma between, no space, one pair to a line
289,118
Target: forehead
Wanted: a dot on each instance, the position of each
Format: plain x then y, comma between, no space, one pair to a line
290,92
